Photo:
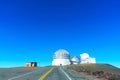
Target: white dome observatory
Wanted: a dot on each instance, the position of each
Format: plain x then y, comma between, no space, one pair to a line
75,60
85,58
61,57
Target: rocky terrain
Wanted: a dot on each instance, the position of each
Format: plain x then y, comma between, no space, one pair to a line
100,71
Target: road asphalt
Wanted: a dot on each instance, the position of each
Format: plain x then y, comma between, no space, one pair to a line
57,73
22,74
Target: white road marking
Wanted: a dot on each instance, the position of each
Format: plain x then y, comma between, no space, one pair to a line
65,74
21,75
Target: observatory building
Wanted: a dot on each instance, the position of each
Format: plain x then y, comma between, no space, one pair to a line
75,60
86,59
61,57
31,64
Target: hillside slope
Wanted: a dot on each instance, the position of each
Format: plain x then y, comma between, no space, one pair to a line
106,71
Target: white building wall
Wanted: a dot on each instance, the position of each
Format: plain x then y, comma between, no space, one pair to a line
58,62
88,60
85,58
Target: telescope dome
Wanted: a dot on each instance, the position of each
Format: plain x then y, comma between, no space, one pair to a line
61,54
75,60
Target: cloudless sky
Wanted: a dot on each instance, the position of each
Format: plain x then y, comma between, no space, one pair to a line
32,30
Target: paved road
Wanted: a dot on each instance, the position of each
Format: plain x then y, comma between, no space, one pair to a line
45,73
35,74
57,74
22,74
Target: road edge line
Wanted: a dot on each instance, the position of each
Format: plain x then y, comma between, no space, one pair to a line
65,74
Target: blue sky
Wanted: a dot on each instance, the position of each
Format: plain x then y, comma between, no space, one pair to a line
32,30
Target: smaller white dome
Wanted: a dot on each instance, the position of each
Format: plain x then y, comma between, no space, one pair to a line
84,56
75,60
